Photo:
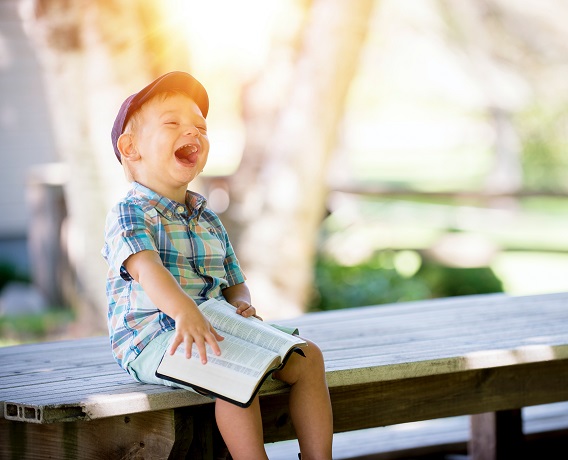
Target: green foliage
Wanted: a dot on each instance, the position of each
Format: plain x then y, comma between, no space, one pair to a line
544,141
365,284
22,328
33,327
9,273
452,281
378,281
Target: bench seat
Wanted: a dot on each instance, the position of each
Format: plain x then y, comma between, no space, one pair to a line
486,355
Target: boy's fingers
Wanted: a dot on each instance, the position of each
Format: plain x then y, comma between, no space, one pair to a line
188,347
214,345
246,310
218,336
175,343
201,350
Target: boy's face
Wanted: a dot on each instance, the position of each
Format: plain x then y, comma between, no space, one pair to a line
170,144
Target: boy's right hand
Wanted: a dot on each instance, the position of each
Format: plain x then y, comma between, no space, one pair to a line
193,328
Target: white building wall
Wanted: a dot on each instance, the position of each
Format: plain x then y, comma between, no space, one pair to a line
25,131
26,138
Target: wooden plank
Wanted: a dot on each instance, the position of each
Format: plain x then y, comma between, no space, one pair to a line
417,337
107,405
157,435
432,438
395,334
372,369
385,354
148,435
361,346
452,308
392,402
397,331
60,376
496,435
34,349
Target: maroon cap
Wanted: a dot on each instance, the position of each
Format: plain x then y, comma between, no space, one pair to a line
180,81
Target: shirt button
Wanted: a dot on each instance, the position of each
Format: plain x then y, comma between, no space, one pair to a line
169,214
180,209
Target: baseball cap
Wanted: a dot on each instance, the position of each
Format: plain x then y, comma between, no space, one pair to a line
176,80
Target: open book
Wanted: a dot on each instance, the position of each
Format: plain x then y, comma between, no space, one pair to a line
250,352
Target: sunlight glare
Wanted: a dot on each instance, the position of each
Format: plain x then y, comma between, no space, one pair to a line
224,33
228,44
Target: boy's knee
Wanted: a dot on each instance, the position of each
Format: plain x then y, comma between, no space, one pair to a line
311,362
299,367
313,353
313,367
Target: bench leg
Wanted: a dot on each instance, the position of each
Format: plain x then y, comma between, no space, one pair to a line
203,440
496,435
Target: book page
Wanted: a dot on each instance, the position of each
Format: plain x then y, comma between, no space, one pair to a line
235,374
236,355
224,318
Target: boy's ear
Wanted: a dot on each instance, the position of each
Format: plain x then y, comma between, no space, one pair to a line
126,147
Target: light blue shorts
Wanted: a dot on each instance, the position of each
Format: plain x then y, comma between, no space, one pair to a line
143,368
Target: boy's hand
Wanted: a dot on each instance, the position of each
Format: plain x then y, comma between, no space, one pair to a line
238,296
193,328
245,309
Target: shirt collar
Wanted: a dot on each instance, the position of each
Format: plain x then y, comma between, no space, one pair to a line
170,209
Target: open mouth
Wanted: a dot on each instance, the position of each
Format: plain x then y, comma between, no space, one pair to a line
187,153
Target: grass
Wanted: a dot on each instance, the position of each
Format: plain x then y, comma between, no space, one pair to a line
38,327
522,243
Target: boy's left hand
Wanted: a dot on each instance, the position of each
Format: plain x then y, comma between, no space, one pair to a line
245,309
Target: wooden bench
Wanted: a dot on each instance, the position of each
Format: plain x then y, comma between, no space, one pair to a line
487,356
545,432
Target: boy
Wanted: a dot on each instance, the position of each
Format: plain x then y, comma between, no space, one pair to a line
167,253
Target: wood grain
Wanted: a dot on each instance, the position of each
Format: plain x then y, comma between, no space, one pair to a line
385,365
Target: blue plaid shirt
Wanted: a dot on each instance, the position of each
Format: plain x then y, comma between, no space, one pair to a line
193,246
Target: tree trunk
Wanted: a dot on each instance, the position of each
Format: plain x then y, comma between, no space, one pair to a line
278,196
93,56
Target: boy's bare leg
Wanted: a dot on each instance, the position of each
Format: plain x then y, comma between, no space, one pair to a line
241,429
310,406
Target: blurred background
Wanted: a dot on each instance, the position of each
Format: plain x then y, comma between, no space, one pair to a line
362,152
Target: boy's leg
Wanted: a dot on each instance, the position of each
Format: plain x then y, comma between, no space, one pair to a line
310,406
241,429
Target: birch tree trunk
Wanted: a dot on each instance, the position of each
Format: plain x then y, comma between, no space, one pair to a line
278,196
94,54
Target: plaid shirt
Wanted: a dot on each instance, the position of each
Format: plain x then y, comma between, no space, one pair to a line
193,246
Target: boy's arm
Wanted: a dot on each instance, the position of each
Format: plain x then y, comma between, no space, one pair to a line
192,327
238,295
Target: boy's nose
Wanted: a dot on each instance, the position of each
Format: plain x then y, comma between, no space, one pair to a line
192,131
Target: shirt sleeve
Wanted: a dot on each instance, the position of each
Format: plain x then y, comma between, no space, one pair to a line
128,230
